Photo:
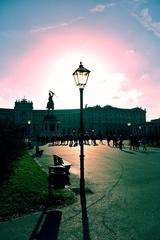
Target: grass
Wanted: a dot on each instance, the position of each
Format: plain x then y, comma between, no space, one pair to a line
27,190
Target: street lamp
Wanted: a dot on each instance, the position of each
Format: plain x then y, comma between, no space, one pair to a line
129,127
29,128
139,132
81,77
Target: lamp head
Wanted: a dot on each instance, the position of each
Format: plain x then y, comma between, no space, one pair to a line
81,76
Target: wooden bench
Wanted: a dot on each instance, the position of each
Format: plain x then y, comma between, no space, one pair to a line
58,175
59,161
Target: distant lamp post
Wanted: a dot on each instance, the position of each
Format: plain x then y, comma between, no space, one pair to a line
29,122
139,131
129,124
81,77
129,127
29,130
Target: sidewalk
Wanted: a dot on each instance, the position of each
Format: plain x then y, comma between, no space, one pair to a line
122,198
47,222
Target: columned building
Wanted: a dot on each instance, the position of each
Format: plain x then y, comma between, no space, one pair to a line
105,121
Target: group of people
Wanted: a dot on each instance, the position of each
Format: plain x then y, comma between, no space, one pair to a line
73,140
134,142
117,142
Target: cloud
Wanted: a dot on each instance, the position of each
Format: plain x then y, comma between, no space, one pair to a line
55,26
132,63
7,89
98,8
101,8
147,21
139,1
142,91
48,27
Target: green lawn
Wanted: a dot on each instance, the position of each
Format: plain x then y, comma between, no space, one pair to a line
27,190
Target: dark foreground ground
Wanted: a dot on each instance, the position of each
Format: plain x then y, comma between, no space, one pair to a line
122,191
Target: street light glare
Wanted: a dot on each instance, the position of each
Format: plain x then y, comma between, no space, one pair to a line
81,76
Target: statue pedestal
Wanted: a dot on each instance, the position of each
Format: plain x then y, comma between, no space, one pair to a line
50,125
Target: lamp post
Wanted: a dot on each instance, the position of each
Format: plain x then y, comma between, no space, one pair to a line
81,77
29,128
129,128
139,132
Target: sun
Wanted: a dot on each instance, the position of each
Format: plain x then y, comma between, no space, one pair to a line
65,65
102,86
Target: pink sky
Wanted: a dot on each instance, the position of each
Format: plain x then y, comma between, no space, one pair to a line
119,75
42,43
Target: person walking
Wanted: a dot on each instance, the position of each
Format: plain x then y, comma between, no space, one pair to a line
120,142
144,143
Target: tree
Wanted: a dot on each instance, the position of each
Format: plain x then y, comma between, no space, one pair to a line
11,144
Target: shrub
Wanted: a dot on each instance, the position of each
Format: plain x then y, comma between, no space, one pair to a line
11,144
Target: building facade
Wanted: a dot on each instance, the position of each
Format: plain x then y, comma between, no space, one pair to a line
104,121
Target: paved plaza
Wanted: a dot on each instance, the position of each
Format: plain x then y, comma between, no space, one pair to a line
122,191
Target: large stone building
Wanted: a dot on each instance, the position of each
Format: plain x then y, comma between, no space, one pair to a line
106,120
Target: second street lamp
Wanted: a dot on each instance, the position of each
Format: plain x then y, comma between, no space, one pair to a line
81,77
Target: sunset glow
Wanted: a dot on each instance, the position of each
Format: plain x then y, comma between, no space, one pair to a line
40,53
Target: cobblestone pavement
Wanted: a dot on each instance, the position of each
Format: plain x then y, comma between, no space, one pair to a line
122,191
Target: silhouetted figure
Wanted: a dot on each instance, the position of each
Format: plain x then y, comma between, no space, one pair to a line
144,143
50,104
38,152
108,141
115,141
132,143
120,143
